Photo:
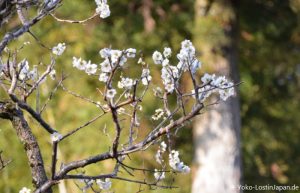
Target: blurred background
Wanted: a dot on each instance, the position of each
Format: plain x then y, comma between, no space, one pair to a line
256,42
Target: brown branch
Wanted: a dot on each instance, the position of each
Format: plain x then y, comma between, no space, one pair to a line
9,36
2,162
163,130
82,126
51,95
118,130
34,114
43,76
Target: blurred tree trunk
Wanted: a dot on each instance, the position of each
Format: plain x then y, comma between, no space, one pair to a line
217,131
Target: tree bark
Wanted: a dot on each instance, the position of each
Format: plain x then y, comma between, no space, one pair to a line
217,131
8,110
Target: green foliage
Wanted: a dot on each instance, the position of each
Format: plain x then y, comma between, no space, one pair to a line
269,67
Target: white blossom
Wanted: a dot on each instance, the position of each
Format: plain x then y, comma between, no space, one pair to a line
111,93
24,69
207,78
59,49
176,164
186,57
158,114
173,71
167,52
169,87
181,167
25,73
204,92
168,75
163,146
140,107
182,66
157,57
102,9
115,55
128,95
52,74
106,66
130,52
216,84
146,78
121,110
188,48
159,175
122,61
56,136
103,77
196,64
98,104
160,151
186,44
226,90
165,62
126,83
90,68
98,2
105,53
140,61
78,63
104,185
25,190
33,75
182,55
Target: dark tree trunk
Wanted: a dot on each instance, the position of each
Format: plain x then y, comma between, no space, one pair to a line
8,110
217,131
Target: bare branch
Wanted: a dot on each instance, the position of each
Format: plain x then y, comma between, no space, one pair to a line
74,21
3,163
34,114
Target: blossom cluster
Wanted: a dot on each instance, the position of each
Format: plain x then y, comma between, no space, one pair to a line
170,73
215,84
112,59
104,184
159,175
146,77
102,8
159,153
187,58
158,114
24,71
59,49
176,164
84,65
126,83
